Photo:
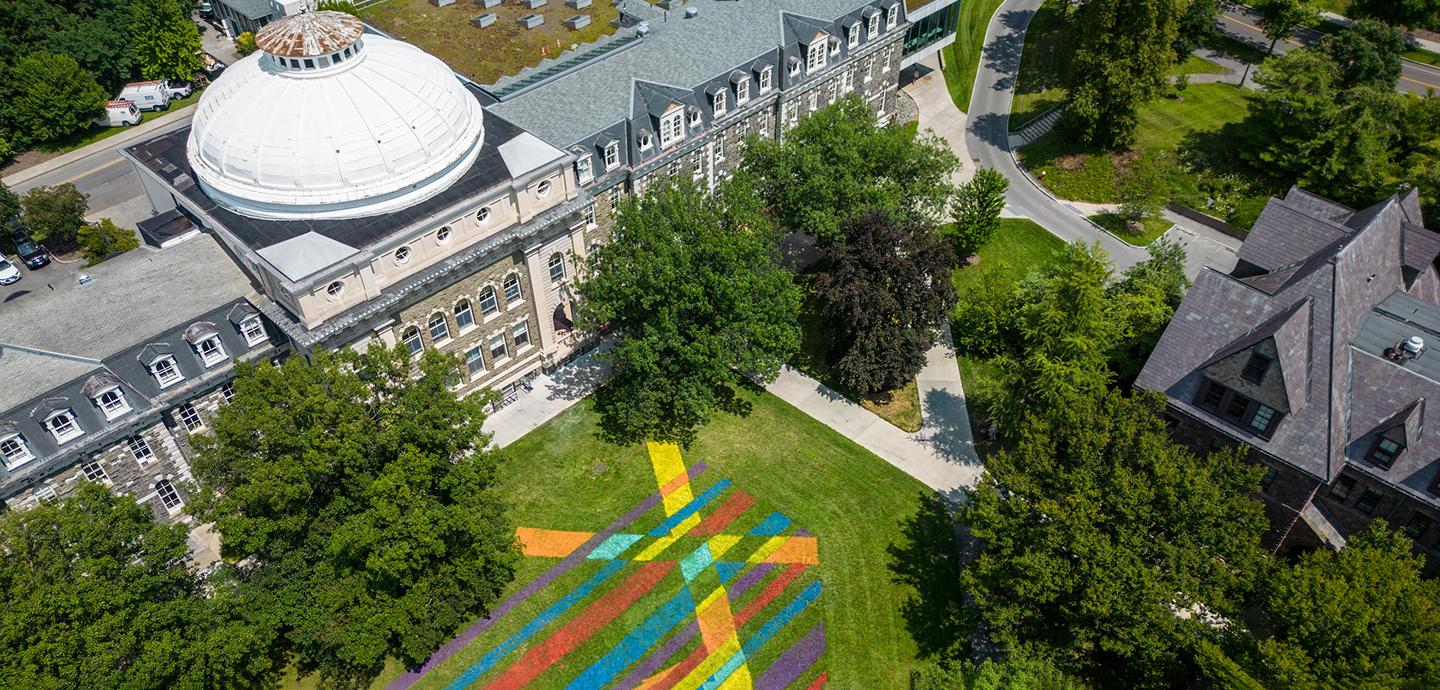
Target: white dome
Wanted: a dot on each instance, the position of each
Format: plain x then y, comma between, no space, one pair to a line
332,125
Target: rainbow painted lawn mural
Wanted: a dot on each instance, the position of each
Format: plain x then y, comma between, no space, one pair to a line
717,593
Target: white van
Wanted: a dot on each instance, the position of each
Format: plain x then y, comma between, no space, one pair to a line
146,95
119,114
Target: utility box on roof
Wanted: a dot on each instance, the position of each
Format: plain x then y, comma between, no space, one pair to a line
533,4
483,20
531,21
578,22
577,4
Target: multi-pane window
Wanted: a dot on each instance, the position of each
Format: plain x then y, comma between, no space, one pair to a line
588,215
439,328
1368,500
1255,368
1383,452
792,114
1343,486
498,350
893,17
1260,421
1235,409
210,350
412,341
165,371
474,362
765,73
742,91
521,333
557,267
190,418
253,330
847,81
62,426
488,304
672,128
227,392
512,289
583,171
612,155
875,24
169,497
1269,478
614,197
464,318
814,101
14,450
1418,525
140,449
719,103
815,56
853,34
112,402
94,472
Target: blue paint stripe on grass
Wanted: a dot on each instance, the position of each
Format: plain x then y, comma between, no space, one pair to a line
537,623
611,548
696,562
634,645
690,508
772,525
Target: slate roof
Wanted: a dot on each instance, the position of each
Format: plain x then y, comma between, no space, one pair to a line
1333,292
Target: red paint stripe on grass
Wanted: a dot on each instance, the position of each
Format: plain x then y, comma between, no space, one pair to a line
732,508
582,627
818,683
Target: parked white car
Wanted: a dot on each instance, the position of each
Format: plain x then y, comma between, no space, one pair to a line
147,95
178,89
119,114
9,272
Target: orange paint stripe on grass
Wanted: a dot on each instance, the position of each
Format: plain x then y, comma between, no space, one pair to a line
670,677
582,627
733,507
796,550
818,683
550,543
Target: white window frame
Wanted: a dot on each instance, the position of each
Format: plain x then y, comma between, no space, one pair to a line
175,375
253,330
142,456
494,301
853,34
227,392
612,155
115,408
215,356
874,24
892,16
814,100
692,118
583,171
742,91
443,325
72,430
766,79
645,141
718,103
512,279
834,47
503,347
98,474
463,307
188,416
672,128
847,81
815,56
521,330
795,68
475,361
552,264
165,498
19,453
418,345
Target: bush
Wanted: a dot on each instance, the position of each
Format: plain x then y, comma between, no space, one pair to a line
54,214
245,44
1246,211
105,239
985,315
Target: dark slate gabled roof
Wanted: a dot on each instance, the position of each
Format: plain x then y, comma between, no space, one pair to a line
801,29
1287,234
1287,335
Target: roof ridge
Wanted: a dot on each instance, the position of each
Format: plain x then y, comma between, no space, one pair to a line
48,353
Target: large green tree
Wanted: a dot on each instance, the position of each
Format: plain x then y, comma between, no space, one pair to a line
9,203
693,287
840,162
1016,672
54,214
164,43
1280,18
1103,545
1122,62
49,97
360,488
1363,617
1367,54
884,295
977,208
1416,14
95,594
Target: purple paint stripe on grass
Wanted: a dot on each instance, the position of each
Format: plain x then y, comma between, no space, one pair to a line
657,658
576,557
802,532
800,656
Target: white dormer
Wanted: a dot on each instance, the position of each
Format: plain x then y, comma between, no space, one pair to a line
253,330
112,402
62,425
14,451
719,103
165,371
672,126
815,54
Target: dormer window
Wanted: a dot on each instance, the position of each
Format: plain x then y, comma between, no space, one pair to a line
794,66
112,403
15,451
672,128
253,330
874,25
815,56
694,117
742,91
853,35
765,78
893,15
612,155
644,141
834,47
1384,451
165,371
210,350
583,173
1256,368
62,426
719,103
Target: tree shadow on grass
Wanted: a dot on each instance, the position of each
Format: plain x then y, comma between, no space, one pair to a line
927,558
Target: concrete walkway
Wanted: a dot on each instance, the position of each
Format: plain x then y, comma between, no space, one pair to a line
941,455
939,114
550,394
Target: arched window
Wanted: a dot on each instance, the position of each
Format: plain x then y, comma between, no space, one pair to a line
169,497
512,289
412,340
557,267
488,304
463,318
439,329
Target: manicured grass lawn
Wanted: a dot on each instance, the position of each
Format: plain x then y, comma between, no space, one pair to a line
504,48
863,511
900,407
1166,125
1044,62
962,58
99,133
1195,64
1154,228
1421,55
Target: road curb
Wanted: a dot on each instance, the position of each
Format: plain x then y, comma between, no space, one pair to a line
115,142
1058,201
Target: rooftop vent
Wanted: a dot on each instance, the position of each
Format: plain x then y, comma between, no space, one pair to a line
642,29
1406,350
84,279
692,12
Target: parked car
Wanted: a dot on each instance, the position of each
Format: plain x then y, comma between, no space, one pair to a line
147,95
9,272
178,89
31,253
207,10
119,114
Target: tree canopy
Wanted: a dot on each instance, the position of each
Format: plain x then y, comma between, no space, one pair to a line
359,487
977,208
840,162
105,239
1279,18
54,214
1103,544
1416,14
49,96
1122,62
1366,54
692,285
164,42
884,294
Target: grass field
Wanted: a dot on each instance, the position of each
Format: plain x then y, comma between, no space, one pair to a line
887,592
1044,62
1421,55
1167,126
962,58
1154,228
501,49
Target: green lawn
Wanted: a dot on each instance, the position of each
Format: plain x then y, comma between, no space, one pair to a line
1115,225
879,534
100,133
1202,129
1044,62
962,58
1422,55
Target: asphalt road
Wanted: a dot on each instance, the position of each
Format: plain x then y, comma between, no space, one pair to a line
1241,23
